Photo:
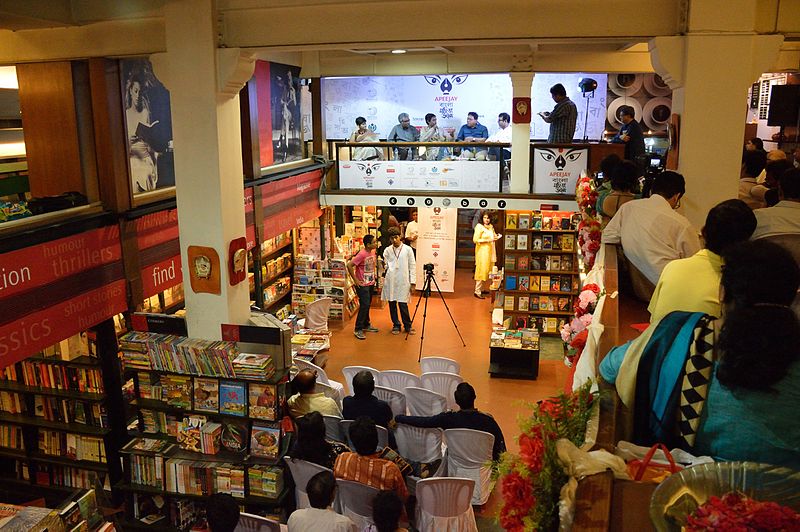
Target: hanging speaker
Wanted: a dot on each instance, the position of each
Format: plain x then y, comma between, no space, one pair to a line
657,113
655,85
624,84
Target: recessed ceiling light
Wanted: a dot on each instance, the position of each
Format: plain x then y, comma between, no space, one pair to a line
398,51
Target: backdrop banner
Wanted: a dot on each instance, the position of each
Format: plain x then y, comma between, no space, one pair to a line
461,176
436,245
556,170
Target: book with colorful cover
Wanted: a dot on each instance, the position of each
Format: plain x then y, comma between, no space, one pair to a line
511,282
521,322
534,303
536,245
234,436
206,394
544,302
535,283
509,263
524,221
555,283
566,263
523,303
566,283
189,437
555,262
265,440
523,283
508,302
176,390
523,262
536,263
547,242
233,398
563,304
551,325
511,242
263,402
511,220
536,221
544,283
522,242
547,221
567,242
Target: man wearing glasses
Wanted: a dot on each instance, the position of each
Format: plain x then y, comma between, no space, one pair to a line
650,230
403,132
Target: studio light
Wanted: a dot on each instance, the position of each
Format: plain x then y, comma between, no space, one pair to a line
587,87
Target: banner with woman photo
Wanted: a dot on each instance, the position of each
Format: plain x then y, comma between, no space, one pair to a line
148,122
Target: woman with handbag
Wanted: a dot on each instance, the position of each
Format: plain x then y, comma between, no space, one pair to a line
724,387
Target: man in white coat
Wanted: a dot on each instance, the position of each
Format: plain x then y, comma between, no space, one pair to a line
401,273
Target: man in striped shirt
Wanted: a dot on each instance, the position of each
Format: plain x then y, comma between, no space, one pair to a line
563,118
364,465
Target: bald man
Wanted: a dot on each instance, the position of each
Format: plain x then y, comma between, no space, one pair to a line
306,400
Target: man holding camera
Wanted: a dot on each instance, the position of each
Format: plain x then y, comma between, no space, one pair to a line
401,273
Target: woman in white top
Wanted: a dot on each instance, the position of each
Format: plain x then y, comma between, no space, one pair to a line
433,133
363,134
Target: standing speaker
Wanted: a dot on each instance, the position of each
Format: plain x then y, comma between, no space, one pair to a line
784,102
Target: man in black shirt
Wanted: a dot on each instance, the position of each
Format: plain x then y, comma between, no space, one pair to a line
468,417
631,134
363,403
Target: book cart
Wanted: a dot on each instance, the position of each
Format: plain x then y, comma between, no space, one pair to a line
56,434
209,421
541,269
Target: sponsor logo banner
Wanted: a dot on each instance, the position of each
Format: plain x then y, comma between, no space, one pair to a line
456,176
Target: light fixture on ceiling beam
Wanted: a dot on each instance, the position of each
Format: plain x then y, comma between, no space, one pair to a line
398,51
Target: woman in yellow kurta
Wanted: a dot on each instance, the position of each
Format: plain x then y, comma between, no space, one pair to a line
485,256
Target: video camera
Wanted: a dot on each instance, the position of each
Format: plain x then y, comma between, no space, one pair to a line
428,268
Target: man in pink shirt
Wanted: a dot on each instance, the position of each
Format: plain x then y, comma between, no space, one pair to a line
363,270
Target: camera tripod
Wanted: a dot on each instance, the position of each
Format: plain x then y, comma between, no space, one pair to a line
426,292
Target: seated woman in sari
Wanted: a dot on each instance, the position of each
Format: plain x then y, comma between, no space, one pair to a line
363,134
433,133
724,387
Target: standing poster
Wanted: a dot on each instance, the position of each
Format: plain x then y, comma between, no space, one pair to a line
556,170
436,245
148,122
279,118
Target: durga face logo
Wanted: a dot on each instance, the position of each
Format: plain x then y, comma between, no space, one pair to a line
561,159
446,83
368,168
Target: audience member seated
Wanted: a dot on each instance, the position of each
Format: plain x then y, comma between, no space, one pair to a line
651,233
784,217
624,185
772,174
363,403
320,517
311,444
433,133
305,400
387,509
754,144
692,284
604,186
467,417
724,387
750,192
365,465
222,513
363,134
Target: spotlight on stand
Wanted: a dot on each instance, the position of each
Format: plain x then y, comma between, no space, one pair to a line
587,87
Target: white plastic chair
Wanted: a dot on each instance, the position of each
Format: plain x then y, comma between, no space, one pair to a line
302,471
256,523
396,400
356,500
468,454
439,364
333,430
397,379
422,402
419,444
350,371
443,505
344,428
443,384
321,377
329,392
317,315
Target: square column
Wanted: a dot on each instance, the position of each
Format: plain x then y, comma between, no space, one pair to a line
521,84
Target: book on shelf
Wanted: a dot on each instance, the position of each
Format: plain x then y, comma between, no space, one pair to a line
520,322
523,283
509,262
210,435
547,242
265,440
206,394
234,436
73,446
534,303
556,243
511,220
177,354
508,302
551,325
554,262
149,509
535,283
147,445
189,433
566,263
265,481
563,304
263,401
566,283
544,303
536,262
536,221
555,283
523,303
176,390
233,398
544,283
523,262
547,222
12,403
522,242
524,221
11,437
511,242
256,366
536,245
511,282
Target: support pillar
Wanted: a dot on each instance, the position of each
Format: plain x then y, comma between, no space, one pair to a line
709,75
204,85
521,84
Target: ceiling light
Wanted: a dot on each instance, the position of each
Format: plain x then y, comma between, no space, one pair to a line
8,77
398,51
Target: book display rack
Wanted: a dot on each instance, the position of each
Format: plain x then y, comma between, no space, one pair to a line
56,433
275,263
209,420
541,269
315,279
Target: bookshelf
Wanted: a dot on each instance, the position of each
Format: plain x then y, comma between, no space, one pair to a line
57,433
209,420
541,269
315,279
271,274
465,252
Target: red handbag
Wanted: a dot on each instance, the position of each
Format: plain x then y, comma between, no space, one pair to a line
645,471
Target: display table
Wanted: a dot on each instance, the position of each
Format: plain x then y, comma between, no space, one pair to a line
513,363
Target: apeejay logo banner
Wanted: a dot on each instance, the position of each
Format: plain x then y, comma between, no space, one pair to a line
556,170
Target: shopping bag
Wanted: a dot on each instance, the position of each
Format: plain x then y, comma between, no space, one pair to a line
645,470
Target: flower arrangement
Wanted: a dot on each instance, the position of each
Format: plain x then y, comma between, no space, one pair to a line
575,333
736,511
589,228
531,482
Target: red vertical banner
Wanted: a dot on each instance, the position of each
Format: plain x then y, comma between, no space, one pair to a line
264,107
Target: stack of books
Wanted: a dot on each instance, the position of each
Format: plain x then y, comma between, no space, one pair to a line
253,366
265,481
204,478
178,354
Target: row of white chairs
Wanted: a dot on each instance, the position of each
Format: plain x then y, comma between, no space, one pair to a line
441,382
443,503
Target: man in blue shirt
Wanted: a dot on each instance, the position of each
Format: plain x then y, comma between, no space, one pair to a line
473,131
404,132
631,135
563,118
